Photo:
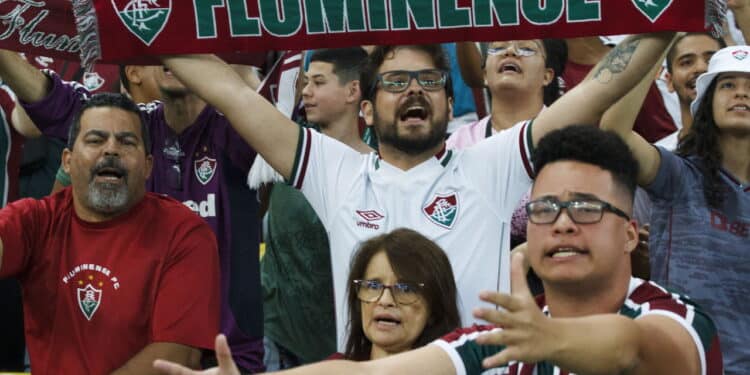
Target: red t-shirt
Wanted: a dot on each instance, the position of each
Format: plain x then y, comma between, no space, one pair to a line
653,122
95,294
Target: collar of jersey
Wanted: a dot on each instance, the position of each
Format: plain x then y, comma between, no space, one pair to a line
443,157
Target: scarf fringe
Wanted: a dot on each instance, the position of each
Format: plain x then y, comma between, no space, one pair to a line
716,15
262,173
88,29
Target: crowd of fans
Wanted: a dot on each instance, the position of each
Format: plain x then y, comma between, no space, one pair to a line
619,172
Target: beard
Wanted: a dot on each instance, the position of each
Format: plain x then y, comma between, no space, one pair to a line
388,132
106,197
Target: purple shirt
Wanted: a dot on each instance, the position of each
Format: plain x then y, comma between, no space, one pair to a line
205,167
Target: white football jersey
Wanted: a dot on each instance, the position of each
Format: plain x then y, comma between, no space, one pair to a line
462,200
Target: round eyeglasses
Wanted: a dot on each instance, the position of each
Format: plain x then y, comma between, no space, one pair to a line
402,293
523,49
396,81
581,211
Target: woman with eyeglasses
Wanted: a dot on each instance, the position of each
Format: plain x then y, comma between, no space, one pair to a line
402,295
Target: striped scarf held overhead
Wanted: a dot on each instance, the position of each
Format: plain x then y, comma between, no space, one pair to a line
135,31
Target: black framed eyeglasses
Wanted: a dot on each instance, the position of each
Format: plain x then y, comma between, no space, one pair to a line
403,293
581,211
396,81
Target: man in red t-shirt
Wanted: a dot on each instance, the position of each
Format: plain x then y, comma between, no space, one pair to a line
112,277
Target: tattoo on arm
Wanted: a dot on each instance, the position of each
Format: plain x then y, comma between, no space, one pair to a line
617,60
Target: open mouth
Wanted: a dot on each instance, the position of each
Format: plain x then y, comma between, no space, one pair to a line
415,111
739,108
386,320
109,173
565,252
510,67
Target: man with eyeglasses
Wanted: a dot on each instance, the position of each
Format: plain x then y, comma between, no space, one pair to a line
462,200
594,317
198,160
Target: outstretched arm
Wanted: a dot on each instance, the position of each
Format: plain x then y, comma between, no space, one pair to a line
596,344
255,119
425,360
141,363
620,119
618,72
741,10
470,62
29,84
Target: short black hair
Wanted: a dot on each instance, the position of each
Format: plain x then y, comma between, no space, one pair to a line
108,99
673,50
347,62
124,81
368,77
591,145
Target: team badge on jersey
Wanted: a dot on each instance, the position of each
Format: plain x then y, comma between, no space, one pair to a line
442,210
144,18
205,168
89,299
652,9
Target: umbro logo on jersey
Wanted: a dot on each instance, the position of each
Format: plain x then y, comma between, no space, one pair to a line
442,210
369,216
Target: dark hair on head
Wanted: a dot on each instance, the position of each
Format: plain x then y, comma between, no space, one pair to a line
368,77
555,57
347,62
108,99
673,50
415,259
124,81
591,145
702,140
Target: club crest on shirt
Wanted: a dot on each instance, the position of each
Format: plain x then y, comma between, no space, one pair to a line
89,299
205,168
442,210
143,18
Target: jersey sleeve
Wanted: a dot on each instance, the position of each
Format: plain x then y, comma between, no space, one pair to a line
464,352
186,310
500,167
697,323
19,223
670,181
54,114
324,170
238,150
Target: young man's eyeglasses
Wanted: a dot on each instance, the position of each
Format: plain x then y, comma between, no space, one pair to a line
372,290
523,49
581,211
397,81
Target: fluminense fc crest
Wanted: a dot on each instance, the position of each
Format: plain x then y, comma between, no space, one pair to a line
205,168
652,9
144,18
442,210
89,299
92,80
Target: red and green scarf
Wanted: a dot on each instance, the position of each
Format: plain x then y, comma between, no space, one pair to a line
134,31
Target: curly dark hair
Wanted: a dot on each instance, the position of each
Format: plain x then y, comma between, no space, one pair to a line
368,76
702,141
414,258
590,145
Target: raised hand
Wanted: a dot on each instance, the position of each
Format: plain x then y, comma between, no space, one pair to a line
223,356
527,334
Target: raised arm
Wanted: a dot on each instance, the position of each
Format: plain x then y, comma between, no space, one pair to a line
618,72
29,84
741,10
470,62
620,119
255,119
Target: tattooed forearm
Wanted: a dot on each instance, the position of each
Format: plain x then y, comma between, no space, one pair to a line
617,60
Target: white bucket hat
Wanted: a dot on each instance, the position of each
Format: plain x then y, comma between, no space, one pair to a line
729,59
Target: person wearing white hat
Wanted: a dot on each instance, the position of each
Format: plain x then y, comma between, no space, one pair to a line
700,221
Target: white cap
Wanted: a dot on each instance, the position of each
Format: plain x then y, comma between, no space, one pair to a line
729,59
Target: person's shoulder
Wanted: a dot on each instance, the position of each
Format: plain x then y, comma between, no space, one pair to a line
169,208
